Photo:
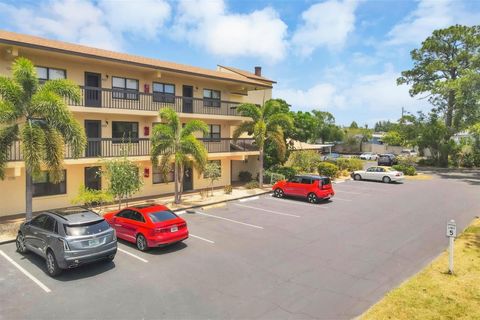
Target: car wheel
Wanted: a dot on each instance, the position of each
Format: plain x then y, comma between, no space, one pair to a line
142,243
53,269
357,177
386,179
278,193
20,242
312,198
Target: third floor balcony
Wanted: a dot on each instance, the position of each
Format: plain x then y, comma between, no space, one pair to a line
92,97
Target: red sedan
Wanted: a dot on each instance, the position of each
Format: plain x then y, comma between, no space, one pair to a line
148,226
311,187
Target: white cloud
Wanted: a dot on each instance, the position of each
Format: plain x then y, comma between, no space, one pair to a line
208,24
428,16
325,24
97,24
365,97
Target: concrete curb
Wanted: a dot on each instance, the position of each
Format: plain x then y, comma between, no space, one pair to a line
187,208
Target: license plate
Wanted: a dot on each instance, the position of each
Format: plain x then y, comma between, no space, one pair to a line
174,229
94,242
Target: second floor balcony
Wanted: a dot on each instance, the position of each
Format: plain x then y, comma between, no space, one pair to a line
134,100
111,147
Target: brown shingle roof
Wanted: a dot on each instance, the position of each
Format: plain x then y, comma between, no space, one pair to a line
247,74
18,39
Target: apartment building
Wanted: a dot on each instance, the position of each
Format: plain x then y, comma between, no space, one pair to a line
121,97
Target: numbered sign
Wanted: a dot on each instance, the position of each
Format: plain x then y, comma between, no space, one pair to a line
451,229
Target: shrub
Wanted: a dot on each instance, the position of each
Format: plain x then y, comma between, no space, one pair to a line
228,189
349,164
305,161
288,172
245,176
429,162
406,169
328,169
90,197
252,185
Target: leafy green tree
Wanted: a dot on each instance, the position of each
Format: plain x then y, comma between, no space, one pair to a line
393,138
445,68
304,127
268,124
37,115
212,172
305,161
173,143
384,126
353,125
90,197
122,176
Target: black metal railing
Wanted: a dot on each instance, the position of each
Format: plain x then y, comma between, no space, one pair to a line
135,100
112,147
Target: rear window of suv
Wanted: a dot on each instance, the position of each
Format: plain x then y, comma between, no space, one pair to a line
326,181
87,228
161,216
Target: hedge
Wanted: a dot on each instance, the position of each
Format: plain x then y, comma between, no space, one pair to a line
406,169
328,169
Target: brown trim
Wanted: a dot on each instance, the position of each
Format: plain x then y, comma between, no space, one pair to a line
36,46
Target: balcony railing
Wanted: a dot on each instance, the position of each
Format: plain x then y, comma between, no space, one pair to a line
134,100
111,147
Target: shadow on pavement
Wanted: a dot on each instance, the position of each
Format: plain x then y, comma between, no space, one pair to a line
156,251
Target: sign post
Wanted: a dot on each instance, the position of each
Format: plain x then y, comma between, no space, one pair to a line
451,234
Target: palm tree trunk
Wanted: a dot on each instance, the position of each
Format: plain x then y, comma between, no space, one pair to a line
177,198
28,195
260,171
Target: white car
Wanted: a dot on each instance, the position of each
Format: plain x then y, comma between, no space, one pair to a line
385,174
408,153
368,156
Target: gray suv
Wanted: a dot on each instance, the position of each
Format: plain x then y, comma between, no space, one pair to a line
67,238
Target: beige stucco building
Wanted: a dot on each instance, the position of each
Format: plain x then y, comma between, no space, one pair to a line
121,96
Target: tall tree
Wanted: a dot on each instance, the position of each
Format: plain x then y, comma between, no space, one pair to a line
172,143
445,65
354,125
268,124
37,116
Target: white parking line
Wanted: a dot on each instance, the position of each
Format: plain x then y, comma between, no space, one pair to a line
269,211
296,202
25,272
226,219
132,255
249,199
197,237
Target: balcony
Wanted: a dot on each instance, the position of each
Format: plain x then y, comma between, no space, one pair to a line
134,100
110,147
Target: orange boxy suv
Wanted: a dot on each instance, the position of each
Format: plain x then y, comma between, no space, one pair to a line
313,188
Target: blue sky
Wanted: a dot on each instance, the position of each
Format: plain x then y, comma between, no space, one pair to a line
342,56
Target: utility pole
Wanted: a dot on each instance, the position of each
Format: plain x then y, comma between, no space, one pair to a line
403,111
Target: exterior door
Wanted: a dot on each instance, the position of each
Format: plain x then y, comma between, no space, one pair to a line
292,186
93,130
93,89
187,106
93,180
187,178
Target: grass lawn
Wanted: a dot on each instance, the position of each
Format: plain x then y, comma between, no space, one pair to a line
435,294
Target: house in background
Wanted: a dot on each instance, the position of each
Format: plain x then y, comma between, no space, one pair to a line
121,97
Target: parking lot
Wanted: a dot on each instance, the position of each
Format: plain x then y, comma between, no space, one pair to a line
257,258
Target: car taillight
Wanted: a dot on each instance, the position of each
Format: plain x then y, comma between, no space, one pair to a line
398,174
162,230
66,247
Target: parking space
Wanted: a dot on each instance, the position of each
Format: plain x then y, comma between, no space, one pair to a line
260,258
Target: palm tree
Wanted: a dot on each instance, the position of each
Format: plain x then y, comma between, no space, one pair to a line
173,143
36,115
268,123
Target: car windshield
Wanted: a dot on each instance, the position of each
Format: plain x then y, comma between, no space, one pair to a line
87,228
161,216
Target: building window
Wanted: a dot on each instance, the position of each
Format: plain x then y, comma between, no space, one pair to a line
157,175
163,92
42,185
215,132
219,163
124,88
44,74
123,131
211,98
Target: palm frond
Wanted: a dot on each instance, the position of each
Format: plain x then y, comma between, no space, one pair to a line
8,135
278,139
270,108
260,133
281,120
10,91
161,148
170,118
250,110
193,126
245,127
63,88
162,131
165,165
8,112
54,154
196,149
25,75
33,138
